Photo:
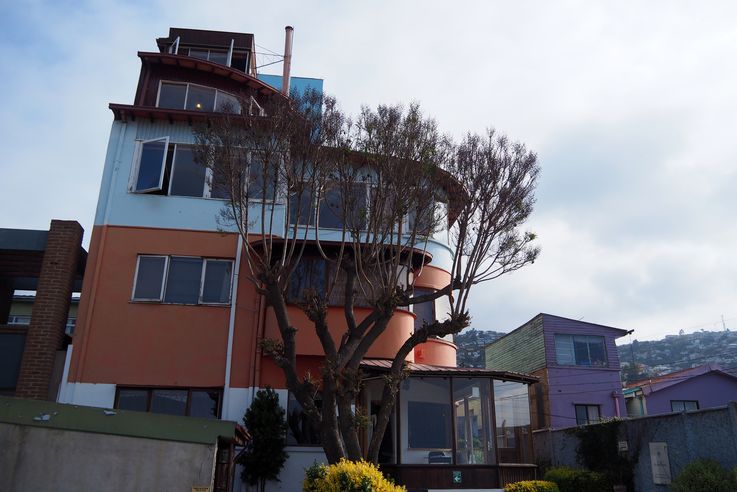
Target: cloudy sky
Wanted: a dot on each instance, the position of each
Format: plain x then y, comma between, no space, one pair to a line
631,107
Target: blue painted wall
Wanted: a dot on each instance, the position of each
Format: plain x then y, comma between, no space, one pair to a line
299,84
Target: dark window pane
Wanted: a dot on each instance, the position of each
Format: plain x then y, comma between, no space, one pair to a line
201,54
217,281
204,404
188,176
228,104
133,399
424,312
151,165
310,274
150,277
238,61
331,209
200,98
581,348
597,353
172,95
171,402
301,429
691,405
11,353
262,180
220,57
429,417
183,282
301,210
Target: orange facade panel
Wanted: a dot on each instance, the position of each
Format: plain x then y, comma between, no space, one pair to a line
124,342
396,333
432,278
436,352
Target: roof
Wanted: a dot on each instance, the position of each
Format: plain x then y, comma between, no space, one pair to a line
37,413
206,38
429,370
546,315
23,239
667,380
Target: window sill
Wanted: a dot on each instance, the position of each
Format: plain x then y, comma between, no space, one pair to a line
208,304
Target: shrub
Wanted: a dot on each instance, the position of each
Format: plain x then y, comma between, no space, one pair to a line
532,486
347,476
704,476
571,480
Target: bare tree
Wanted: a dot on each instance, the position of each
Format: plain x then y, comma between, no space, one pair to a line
358,200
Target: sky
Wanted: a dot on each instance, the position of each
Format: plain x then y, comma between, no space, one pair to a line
630,106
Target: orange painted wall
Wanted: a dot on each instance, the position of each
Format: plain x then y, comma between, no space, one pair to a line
130,343
436,352
432,278
123,342
399,329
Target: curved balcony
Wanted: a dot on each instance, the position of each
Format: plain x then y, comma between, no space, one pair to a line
436,352
399,329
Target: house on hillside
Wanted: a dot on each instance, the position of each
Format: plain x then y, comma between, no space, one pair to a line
705,386
168,321
577,364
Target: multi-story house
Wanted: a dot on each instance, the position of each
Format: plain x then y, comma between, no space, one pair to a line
168,322
577,365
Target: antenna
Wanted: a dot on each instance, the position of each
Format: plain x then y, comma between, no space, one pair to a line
724,326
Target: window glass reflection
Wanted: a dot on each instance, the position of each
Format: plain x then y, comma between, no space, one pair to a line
472,406
427,411
513,433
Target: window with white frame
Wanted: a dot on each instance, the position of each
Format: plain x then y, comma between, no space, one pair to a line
580,350
193,97
165,168
182,280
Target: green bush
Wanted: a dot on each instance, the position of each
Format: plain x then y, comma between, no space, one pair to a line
571,480
704,476
532,486
347,476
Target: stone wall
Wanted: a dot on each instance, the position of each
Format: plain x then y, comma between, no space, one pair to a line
709,433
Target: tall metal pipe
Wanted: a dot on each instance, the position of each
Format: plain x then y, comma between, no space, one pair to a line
289,33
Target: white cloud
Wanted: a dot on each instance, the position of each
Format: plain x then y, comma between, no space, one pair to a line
630,106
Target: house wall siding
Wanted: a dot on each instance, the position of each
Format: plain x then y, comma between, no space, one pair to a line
521,350
710,390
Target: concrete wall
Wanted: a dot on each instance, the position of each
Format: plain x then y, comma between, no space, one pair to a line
710,434
35,458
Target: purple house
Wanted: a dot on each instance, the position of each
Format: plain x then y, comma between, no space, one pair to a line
578,367
690,389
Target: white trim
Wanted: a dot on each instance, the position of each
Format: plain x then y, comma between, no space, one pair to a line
135,278
202,281
174,47
231,323
161,168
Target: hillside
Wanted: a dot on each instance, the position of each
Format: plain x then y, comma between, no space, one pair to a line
471,344
651,358
676,352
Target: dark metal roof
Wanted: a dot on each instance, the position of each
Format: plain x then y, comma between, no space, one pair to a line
383,365
23,239
203,38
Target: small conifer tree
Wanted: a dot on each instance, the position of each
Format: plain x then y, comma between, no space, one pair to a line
264,456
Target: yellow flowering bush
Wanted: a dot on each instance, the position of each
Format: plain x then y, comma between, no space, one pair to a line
347,476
